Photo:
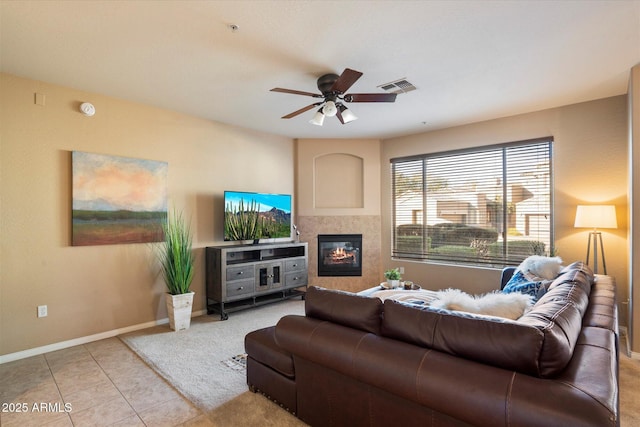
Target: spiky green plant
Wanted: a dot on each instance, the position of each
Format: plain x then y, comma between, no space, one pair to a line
176,254
241,223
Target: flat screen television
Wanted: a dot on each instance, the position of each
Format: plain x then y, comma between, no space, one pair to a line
255,216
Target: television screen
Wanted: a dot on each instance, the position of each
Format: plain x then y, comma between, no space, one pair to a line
254,216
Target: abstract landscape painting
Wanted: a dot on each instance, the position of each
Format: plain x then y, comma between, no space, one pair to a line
117,199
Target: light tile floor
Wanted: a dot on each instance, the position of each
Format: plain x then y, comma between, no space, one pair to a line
102,383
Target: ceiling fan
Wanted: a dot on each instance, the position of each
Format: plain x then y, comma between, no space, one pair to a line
333,88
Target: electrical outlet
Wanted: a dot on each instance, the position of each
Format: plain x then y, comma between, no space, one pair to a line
401,270
42,311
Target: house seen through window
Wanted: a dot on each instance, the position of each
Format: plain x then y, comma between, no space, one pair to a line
486,206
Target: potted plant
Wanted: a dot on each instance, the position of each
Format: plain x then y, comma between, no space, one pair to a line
393,277
176,260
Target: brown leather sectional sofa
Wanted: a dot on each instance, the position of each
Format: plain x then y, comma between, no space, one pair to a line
356,361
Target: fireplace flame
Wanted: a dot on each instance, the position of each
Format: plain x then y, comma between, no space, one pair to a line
341,256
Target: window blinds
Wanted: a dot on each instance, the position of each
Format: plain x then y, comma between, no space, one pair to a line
485,206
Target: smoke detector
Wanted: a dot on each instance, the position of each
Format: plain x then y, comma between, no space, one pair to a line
87,109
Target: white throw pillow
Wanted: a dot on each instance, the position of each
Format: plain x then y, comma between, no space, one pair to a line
510,306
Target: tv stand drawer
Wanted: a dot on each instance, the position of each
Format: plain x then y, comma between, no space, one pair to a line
240,287
240,273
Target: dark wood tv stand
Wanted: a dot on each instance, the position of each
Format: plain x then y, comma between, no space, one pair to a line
245,276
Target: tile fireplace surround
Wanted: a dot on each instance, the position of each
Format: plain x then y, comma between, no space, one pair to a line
367,225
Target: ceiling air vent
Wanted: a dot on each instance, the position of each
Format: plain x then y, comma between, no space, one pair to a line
398,86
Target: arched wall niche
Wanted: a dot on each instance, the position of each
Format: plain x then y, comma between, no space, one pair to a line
338,181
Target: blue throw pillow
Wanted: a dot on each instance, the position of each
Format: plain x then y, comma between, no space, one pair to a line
516,279
521,283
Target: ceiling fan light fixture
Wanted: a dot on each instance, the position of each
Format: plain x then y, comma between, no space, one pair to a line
347,115
329,109
333,90
318,118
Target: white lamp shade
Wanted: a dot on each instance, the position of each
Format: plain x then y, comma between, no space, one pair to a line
330,109
348,116
317,119
596,216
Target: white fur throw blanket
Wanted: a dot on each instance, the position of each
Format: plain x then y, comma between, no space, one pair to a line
510,306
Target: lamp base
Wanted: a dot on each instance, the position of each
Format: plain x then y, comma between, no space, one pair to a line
596,236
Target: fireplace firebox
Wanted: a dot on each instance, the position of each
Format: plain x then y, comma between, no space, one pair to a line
340,255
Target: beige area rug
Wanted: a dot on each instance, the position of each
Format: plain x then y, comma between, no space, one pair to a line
196,363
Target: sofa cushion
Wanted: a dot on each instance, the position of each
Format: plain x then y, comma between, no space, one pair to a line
577,265
539,343
602,311
344,308
558,314
491,340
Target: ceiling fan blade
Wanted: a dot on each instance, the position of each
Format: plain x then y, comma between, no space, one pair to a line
346,80
302,110
371,97
296,92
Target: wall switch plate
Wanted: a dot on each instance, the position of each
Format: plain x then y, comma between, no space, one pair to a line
42,311
39,99
401,270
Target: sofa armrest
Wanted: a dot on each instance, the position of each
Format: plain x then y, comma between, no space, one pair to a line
319,341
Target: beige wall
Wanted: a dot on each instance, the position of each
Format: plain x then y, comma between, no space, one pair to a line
589,164
92,289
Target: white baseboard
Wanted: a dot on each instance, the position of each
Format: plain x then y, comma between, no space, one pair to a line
85,340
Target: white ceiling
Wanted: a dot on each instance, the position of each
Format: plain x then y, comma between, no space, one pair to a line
470,60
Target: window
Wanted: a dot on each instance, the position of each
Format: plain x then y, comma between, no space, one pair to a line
486,206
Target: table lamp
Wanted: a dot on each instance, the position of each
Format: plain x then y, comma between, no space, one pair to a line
596,216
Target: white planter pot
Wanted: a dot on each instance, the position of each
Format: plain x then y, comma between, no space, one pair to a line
179,309
394,284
